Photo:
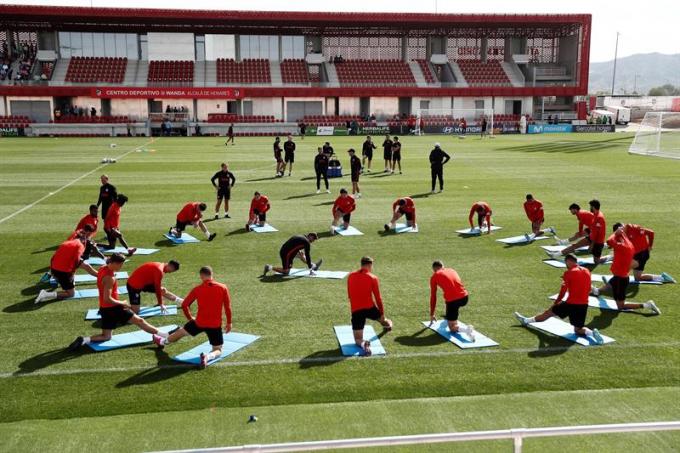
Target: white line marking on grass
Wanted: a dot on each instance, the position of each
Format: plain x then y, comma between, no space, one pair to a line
29,206
339,358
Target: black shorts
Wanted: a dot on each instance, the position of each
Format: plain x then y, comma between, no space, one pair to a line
90,247
289,158
452,308
287,257
619,286
596,249
262,217
345,217
575,312
641,259
408,215
368,154
387,155
65,279
359,317
396,156
355,177
214,333
135,294
111,234
113,317
278,158
181,226
224,192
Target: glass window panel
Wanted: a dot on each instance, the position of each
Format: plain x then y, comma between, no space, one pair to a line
121,45
254,47
287,47
98,44
65,44
299,47
264,47
273,48
88,49
76,44
132,52
244,49
109,45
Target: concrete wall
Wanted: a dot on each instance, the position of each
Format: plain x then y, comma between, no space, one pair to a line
9,100
206,106
445,102
3,106
383,107
220,46
133,108
268,106
171,46
285,108
349,106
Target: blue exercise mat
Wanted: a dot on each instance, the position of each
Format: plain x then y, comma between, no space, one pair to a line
185,239
87,278
350,231
588,261
139,251
476,231
232,342
94,292
267,228
599,302
349,348
128,339
565,330
522,239
95,261
333,275
460,339
144,312
598,278
403,228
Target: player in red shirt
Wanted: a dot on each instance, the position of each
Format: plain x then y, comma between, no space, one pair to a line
483,211
91,219
113,311
191,214
259,206
455,296
643,241
148,278
212,298
67,259
624,250
363,290
576,282
534,211
403,207
342,209
112,225
591,232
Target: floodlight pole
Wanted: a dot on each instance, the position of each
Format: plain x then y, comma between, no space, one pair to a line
616,53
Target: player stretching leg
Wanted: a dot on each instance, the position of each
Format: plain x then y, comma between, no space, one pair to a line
296,246
455,296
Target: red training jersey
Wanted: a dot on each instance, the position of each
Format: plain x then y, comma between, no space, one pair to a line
344,204
262,205
597,229
148,274
105,271
212,297
112,219
190,213
623,254
534,210
487,211
449,281
362,288
642,238
576,281
67,258
585,219
87,220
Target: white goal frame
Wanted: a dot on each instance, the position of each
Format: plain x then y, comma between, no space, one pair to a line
658,135
472,117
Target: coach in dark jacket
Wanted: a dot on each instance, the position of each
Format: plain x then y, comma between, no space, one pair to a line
438,158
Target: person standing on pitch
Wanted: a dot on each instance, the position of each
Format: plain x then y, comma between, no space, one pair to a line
342,209
280,165
483,211
321,169
230,135
455,296
365,301
225,181
288,155
620,267
387,153
107,195
396,154
191,214
482,128
438,158
355,167
403,207
113,311
367,154
212,297
576,282
296,246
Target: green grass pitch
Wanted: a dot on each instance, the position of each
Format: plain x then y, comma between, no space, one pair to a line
293,378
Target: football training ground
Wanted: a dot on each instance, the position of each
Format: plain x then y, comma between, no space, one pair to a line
294,378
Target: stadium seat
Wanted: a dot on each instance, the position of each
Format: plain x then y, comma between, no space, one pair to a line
294,71
477,73
374,72
248,71
96,69
427,72
164,71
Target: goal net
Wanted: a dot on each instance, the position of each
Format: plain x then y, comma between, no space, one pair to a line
451,121
658,135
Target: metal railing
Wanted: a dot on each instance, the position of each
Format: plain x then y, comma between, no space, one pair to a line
516,435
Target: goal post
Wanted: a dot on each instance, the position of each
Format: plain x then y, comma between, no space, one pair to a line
658,135
450,121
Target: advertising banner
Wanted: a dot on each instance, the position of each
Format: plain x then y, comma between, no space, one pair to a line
324,130
595,128
157,92
549,128
374,130
9,132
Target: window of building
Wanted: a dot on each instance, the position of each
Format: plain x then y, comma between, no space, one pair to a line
85,44
259,46
479,104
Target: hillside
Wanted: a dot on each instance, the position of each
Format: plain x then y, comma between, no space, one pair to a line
653,69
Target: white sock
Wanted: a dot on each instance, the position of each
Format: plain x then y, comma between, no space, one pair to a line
207,233
50,295
213,354
588,331
87,340
657,278
179,300
646,305
162,334
530,320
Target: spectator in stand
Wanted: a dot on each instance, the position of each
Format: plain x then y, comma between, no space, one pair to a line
168,127
93,112
167,109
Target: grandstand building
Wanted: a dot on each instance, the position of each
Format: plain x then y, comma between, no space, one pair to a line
101,71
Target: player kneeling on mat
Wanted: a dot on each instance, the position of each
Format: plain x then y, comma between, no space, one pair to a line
455,295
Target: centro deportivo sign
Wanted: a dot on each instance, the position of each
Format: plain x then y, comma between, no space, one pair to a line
150,93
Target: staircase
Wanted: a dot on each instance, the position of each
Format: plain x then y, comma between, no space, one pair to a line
130,72
514,73
141,74
418,74
59,73
199,74
332,74
458,74
275,72
210,73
